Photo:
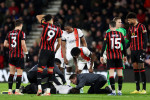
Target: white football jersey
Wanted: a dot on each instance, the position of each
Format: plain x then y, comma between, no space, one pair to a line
70,39
84,55
63,89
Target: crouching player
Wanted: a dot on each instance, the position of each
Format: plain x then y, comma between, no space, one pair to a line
81,57
113,40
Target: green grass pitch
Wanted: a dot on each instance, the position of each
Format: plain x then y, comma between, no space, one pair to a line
127,88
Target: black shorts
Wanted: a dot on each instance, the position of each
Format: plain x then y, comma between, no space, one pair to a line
46,58
137,56
17,62
114,64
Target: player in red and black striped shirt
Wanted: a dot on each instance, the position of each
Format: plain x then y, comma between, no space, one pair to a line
137,35
47,54
113,40
15,40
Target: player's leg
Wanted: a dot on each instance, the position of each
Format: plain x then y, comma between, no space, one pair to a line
119,67
11,76
108,81
19,67
81,65
18,81
50,66
43,58
136,72
88,66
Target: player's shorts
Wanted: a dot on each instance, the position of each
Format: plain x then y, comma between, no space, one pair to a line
137,56
114,64
17,62
82,64
46,58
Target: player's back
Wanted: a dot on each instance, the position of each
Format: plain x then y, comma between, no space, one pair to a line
14,38
49,35
114,40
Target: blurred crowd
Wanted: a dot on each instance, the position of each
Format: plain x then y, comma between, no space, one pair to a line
10,10
93,16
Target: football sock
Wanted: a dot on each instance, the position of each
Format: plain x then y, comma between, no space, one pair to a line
18,81
137,79
39,77
143,76
10,81
50,78
120,81
68,74
112,82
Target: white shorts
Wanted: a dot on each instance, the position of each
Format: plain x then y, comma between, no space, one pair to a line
82,64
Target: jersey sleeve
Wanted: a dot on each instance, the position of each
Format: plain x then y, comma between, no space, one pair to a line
23,36
86,51
63,38
59,33
80,33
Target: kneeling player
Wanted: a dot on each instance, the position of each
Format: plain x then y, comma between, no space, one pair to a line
113,39
82,56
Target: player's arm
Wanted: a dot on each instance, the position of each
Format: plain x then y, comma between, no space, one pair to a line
103,48
129,38
83,41
144,35
124,48
76,65
6,44
81,83
39,18
126,40
59,44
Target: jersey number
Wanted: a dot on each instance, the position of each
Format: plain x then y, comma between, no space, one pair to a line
117,43
50,34
14,42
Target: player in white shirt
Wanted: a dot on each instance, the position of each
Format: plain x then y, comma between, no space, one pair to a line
71,37
63,89
82,56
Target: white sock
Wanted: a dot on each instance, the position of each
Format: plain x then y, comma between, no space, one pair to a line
10,90
119,91
17,90
48,90
68,74
113,91
39,87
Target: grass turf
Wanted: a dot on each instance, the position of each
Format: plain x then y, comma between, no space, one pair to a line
127,88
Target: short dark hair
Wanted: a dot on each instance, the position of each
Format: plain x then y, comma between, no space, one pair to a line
73,76
68,24
116,18
47,17
75,51
18,22
57,61
74,91
131,15
112,24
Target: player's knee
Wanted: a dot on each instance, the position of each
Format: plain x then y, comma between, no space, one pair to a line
19,71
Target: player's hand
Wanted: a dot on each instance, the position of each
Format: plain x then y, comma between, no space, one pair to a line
66,61
102,60
125,59
77,71
27,58
90,70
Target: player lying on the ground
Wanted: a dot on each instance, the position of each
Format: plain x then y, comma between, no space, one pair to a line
96,81
113,40
32,74
82,56
15,40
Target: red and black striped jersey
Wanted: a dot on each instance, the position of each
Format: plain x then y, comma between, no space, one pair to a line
49,35
113,40
137,35
14,39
